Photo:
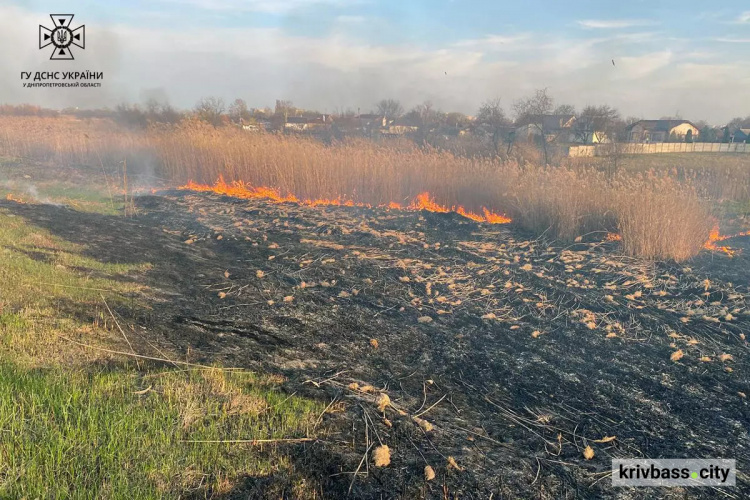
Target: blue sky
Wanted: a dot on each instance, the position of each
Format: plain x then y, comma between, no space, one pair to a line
670,57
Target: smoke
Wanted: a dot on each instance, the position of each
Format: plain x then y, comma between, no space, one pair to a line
31,193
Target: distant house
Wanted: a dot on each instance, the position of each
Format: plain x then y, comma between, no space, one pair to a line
555,127
372,120
255,125
741,135
307,123
662,131
400,126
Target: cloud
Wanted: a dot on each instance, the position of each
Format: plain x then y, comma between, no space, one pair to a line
494,42
701,54
744,18
731,40
614,23
265,6
350,19
653,75
639,67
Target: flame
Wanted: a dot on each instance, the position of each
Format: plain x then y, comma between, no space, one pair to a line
715,236
423,201
10,197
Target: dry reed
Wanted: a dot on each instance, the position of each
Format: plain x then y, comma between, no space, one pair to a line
657,216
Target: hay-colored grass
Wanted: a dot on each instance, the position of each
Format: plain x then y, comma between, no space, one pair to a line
658,216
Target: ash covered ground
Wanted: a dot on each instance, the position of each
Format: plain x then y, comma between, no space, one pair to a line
503,357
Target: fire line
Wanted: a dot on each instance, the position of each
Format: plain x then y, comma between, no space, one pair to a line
715,236
423,201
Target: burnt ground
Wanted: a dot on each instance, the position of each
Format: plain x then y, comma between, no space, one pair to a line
515,353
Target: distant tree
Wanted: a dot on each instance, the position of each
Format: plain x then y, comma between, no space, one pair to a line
456,120
159,112
210,109
541,103
390,108
491,117
707,134
262,114
630,120
700,124
427,113
726,135
284,109
170,115
595,123
427,119
737,123
529,111
130,116
564,109
239,111
152,106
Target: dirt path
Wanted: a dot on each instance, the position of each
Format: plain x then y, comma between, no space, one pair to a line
515,355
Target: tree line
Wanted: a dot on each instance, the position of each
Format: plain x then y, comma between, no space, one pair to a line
593,123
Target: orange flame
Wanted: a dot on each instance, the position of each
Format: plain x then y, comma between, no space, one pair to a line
715,236
423,201
10,197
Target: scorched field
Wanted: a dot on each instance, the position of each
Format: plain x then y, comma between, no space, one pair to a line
453,358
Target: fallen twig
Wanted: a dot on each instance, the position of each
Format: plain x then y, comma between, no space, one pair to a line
152,358
249,441
117,323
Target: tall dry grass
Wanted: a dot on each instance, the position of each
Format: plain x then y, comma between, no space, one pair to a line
657,216
721,177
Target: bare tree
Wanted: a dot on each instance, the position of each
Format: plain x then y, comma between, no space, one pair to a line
738,123
455,119
531,111
491,117
284,109
152,106
238,111
427,113
564,109
210,109
427,119
595,124
390,108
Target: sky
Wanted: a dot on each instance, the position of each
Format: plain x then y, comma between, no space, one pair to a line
686,58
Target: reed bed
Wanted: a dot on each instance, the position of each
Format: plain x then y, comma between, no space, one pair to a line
660,216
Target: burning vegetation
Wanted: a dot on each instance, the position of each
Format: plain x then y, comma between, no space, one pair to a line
423,201
715,237
427,339
657,214
437,317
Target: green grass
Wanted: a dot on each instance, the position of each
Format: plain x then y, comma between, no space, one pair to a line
45,281
85,189
72,424
85,434
736,208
